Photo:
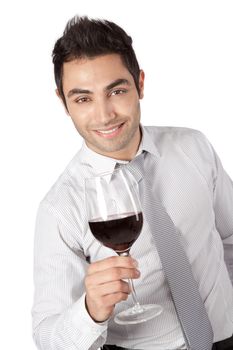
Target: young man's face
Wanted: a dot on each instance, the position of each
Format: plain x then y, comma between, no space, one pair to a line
103,102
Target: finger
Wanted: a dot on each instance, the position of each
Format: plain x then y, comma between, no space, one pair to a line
111,275
113,261
112,299
110,288
109,301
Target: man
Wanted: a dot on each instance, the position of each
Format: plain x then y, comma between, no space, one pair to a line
79,284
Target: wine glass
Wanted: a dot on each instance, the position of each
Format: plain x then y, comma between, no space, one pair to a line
115,219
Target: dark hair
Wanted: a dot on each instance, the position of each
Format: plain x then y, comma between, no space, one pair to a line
84,37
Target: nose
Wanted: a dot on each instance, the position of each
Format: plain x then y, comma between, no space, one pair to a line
104,111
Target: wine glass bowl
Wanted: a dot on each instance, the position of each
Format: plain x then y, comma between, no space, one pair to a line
118,232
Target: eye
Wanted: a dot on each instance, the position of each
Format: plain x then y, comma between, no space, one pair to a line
82,99
118,92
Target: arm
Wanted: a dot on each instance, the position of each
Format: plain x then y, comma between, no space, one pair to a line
60,319
202,153
223,207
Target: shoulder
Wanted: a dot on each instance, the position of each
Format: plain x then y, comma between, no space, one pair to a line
186,144
66,194
173,132
61,210
186,138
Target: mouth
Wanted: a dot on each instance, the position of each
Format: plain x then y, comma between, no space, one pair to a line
110,132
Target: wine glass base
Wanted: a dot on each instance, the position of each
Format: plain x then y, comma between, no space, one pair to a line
138,314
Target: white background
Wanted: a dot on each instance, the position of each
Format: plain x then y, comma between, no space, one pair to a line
186,50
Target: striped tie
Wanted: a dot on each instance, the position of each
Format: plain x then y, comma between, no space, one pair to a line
195,324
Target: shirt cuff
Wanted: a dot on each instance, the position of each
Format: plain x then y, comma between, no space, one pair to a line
82,320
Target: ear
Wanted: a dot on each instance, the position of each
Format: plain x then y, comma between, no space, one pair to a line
60,98
141,83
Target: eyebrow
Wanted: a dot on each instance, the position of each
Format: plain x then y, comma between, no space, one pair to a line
116,82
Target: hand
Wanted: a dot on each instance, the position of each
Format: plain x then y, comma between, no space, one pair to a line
105,286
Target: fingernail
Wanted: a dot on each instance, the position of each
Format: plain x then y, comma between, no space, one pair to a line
135,263
138,273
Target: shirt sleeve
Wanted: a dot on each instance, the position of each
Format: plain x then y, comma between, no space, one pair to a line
221,187
223,208
60,319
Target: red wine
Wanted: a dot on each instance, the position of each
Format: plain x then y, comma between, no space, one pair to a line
118,232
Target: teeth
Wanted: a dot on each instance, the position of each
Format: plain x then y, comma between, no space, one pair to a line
108,131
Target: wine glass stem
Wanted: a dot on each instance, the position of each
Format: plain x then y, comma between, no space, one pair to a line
137,306
133,292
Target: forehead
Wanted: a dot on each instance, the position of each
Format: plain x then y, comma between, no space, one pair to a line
89,72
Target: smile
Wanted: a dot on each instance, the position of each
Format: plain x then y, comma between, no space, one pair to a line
110,132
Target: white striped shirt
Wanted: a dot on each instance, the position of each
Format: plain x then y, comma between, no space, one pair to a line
198,195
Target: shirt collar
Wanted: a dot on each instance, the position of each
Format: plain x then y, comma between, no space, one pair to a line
147,144
103,164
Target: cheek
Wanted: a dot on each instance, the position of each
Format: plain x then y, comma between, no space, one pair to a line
133,108
78,119
126,106
80,116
